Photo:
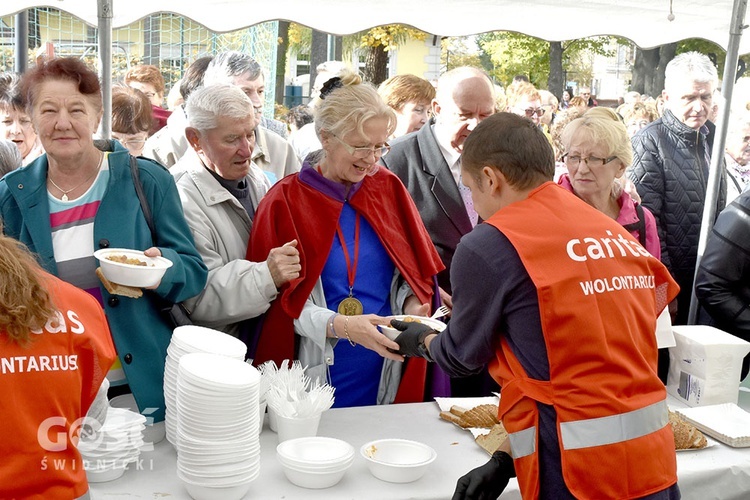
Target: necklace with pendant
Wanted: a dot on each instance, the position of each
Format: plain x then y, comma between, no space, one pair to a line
65,192
350,306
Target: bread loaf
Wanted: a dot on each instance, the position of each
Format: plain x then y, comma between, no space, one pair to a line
686,435
484,416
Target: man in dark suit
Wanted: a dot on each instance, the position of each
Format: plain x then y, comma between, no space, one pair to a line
429,164
428,161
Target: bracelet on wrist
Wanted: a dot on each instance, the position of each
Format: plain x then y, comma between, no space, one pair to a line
331,327
346,332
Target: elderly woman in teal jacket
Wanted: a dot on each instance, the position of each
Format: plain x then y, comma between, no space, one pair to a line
76,199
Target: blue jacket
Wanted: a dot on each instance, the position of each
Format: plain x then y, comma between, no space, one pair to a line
139,331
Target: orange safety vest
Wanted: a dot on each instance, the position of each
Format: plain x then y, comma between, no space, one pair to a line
599,295
47,387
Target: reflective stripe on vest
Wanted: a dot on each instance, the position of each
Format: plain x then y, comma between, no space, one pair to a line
597,431
614,428
523,443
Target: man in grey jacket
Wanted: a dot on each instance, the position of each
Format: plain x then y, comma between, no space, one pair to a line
220,189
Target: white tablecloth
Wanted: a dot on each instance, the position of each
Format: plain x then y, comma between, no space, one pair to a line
718,472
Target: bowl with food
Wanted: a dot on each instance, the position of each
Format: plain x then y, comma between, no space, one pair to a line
131,267
397,460
392,332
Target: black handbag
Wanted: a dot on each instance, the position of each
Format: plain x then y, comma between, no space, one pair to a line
176,314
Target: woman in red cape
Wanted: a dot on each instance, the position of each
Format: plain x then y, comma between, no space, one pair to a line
364,251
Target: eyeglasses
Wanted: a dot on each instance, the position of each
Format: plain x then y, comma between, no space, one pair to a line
126,141
591,161
533,111
362,153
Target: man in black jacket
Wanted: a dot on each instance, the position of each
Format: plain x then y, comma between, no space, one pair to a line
670,168
722,284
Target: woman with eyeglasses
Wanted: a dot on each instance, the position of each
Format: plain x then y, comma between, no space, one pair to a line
597,152
364,251
524,100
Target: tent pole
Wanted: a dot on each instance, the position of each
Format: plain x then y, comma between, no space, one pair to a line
104,12
22,42
717,154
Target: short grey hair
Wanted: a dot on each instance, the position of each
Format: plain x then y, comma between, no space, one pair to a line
10,156
207,104
227,65
691,67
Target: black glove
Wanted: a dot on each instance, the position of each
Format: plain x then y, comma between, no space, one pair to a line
488,481
411,339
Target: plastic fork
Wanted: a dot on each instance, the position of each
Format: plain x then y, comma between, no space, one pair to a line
441,312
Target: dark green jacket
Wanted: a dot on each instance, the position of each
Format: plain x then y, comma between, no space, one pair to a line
139,331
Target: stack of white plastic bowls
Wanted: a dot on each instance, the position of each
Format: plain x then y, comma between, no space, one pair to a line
107,452
185,340
218,448
315,462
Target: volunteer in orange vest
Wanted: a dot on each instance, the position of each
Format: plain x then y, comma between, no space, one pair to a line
55,350
561,302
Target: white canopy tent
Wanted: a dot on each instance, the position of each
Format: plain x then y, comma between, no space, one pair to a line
646,23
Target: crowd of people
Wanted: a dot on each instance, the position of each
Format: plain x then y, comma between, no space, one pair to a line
301,236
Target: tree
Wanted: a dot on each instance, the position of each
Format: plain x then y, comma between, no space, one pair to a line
456,51
512,54
648,71
281,51
318,53
377,42
545,63
556,80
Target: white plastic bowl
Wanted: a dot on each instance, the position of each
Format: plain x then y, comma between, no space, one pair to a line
199,492
154,432
313,451
104,475
392,333
312,479
130,274
397,460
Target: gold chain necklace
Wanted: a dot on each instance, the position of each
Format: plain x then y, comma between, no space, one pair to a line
65,192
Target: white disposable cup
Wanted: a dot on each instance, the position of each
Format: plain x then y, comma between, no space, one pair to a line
272,419
290,428
262,415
